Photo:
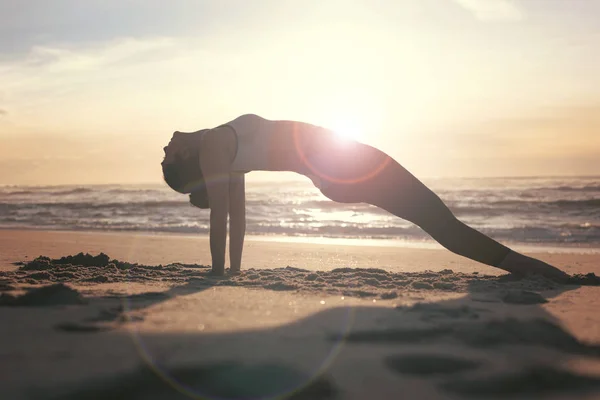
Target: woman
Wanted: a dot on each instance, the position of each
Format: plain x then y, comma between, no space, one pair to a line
210,166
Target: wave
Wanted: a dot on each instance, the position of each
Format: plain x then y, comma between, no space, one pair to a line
475,205
576,203
133,190
269,204
526,234
297,210
489,208
595,202
53,190
556,211
584,226
588,188
96,205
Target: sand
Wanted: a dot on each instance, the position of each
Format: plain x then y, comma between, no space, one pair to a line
145,320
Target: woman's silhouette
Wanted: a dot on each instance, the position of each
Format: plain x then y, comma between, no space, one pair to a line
210,165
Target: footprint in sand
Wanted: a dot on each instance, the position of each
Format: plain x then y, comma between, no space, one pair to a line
489,334
523,297
80,328
429,364
227,380
530,383
432,311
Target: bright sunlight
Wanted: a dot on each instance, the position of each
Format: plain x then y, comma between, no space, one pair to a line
349,129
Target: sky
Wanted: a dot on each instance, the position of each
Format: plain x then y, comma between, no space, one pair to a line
90,91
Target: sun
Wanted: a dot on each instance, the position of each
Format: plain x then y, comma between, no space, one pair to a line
348,129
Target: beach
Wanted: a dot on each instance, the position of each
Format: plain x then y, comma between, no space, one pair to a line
351,144
306,319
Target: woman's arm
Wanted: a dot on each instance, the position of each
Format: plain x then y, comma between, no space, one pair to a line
216,153
237,219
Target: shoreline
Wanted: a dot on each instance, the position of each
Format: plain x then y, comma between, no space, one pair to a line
263,253
542,247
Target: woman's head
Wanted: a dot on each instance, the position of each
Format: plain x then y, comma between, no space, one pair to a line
199,198
181,168
183,175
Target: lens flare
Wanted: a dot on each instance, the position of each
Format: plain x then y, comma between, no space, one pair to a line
348,130
296,383
349,152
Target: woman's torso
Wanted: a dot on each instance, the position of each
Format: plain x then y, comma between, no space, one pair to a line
267,145
330,162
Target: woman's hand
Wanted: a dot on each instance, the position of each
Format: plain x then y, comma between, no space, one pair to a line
237,220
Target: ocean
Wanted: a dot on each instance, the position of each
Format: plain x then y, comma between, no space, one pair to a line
533,210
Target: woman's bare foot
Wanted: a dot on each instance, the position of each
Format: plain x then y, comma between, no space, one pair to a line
522,265
217,271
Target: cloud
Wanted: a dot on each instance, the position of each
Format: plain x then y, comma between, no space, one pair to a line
24,24
46,72
493,10
3,112
70,59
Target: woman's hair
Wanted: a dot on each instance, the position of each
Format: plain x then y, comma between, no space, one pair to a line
185,176
199,198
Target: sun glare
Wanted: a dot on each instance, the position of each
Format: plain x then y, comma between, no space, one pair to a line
348,129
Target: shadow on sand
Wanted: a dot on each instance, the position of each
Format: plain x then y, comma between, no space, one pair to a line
494,342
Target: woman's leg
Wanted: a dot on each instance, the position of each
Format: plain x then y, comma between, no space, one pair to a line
406,197
397,191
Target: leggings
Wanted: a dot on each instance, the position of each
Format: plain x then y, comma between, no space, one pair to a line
364,174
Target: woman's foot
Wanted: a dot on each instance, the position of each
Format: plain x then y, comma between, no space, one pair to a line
217,271
522,265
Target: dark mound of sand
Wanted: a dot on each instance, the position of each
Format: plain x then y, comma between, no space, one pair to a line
101,260
5,287
58,294
89,269
584,279
86,269
43,263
